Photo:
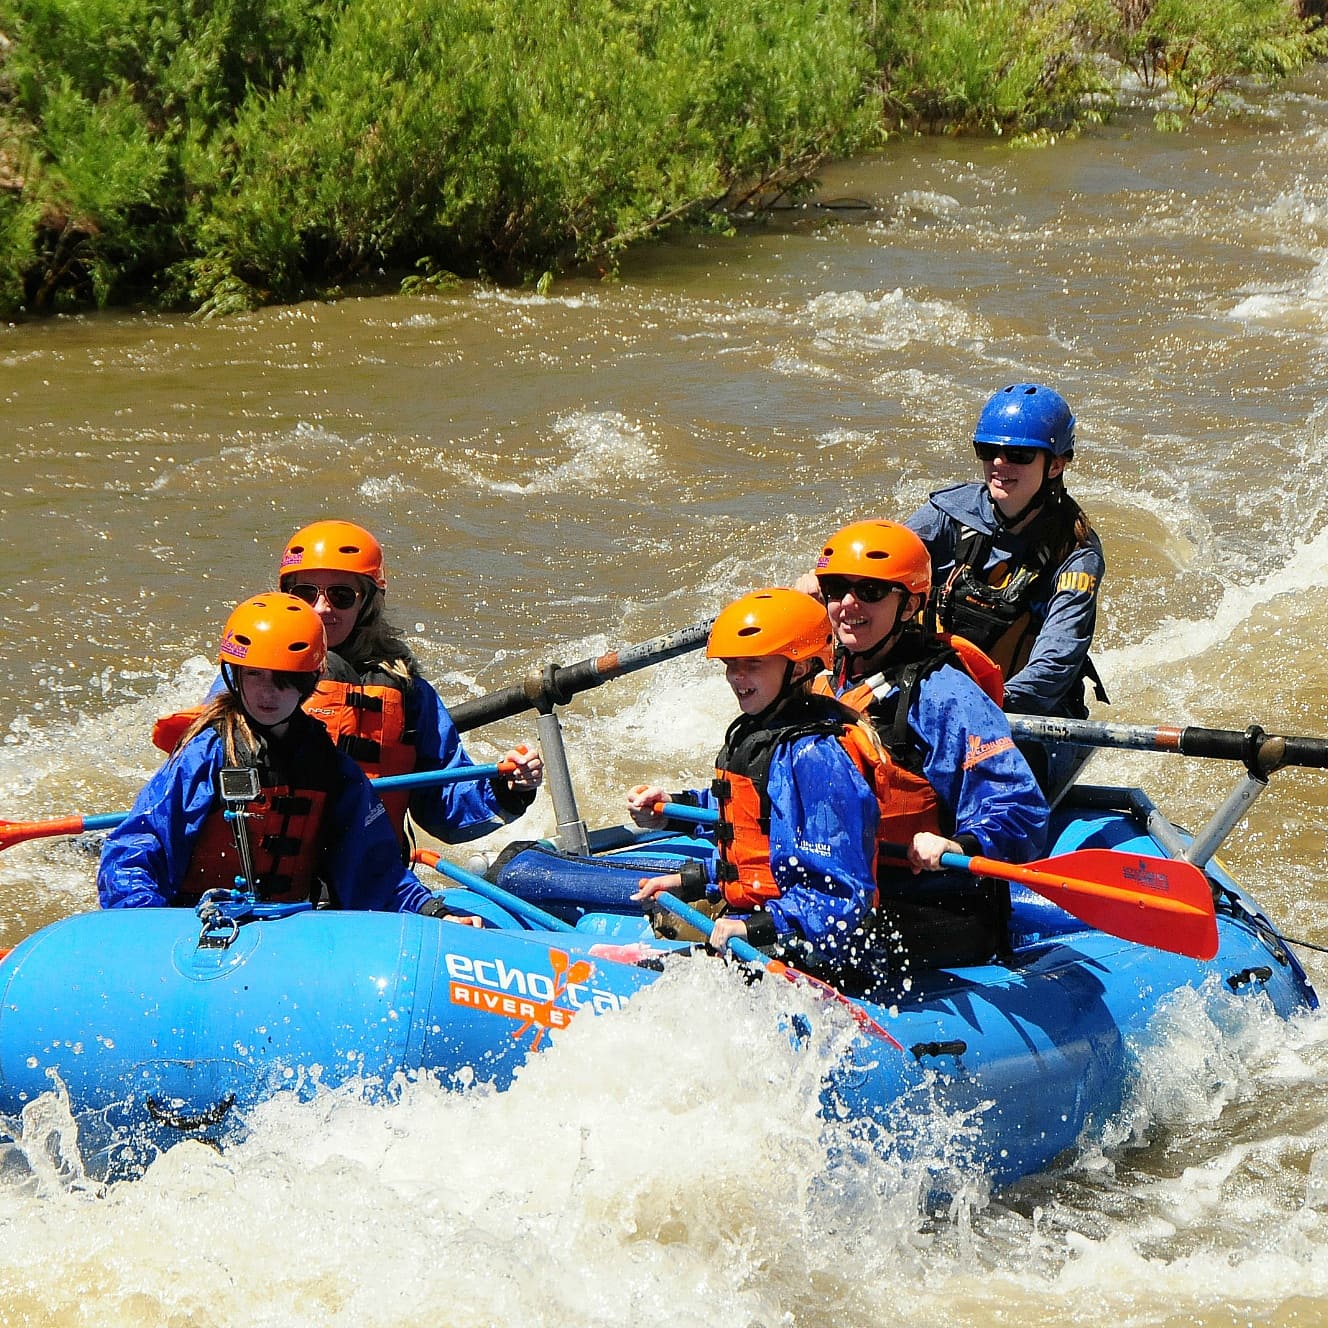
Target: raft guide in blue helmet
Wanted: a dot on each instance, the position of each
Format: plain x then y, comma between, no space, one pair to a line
1027,415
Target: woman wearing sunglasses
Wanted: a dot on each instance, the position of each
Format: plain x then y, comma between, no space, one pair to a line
953,780
1016,566
374,701
312,823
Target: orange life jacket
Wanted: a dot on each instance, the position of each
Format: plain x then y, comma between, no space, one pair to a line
972,659
908,804
742,772
368,723
284,826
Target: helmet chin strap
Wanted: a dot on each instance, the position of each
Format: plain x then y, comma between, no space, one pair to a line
233,686
883,645
1046,491
786,688
232,682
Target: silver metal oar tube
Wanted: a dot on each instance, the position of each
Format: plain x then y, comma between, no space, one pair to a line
555,685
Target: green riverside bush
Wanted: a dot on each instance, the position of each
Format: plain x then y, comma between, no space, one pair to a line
217,154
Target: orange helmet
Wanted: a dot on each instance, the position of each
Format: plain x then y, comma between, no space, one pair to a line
274,631
772,622
334,546
881,551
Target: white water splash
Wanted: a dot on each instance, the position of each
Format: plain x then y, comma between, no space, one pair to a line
599,448
648,1152
888,322
1181,639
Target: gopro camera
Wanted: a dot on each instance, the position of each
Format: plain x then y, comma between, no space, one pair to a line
239,784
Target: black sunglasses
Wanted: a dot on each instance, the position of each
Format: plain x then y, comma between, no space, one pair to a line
1016,456
339,597
865,592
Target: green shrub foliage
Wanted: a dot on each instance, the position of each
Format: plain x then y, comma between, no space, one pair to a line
222,154
216,154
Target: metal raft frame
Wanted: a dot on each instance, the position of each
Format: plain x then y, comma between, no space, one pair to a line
1259,752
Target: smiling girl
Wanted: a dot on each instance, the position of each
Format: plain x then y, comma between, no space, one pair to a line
375,702
794,867
953,780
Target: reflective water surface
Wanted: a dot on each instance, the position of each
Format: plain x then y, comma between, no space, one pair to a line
552,476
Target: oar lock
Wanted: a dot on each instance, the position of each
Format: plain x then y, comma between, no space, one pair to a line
1246,976
1261,754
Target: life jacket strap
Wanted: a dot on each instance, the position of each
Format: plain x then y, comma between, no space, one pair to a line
359,749
291,804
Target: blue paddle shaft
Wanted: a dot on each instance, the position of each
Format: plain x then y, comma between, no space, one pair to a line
682,811
455,775
460,774
694,917
513,903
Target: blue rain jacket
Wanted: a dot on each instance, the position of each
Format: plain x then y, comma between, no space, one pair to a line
980,777
146,857
454,813
1048,682
822,845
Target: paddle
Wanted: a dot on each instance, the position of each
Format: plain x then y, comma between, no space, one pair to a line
1160,902
513,903
556,684
18,832
749,954
1261,752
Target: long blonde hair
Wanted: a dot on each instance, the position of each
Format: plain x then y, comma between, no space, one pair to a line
225,714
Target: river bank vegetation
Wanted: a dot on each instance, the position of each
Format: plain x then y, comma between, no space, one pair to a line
222,154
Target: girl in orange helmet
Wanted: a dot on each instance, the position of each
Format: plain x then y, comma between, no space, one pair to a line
316,826
794,867
374,701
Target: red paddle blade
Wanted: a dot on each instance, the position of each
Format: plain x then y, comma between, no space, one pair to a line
18,832
860,1015
1160,902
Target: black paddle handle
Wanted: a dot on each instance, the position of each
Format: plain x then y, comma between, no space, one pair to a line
556,684
1260,752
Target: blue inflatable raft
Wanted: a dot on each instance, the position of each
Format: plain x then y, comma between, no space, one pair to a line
161,1025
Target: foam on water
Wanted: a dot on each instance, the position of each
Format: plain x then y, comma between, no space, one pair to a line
1180,639
610,1183
887,322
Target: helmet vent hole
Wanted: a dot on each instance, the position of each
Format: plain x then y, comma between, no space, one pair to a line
244,640
748,631
877,553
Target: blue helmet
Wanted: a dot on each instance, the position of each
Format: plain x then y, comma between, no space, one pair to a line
1027,415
